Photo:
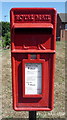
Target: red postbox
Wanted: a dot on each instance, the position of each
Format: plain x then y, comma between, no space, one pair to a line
33,44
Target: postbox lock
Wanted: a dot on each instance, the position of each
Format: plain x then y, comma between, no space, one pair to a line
33,56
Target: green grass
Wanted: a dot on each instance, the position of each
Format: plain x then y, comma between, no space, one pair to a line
60,61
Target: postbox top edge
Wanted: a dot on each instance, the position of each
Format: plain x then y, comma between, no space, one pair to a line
28,8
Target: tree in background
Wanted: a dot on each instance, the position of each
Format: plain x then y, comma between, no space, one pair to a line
5,28
5,34
0,35
0,29
6,40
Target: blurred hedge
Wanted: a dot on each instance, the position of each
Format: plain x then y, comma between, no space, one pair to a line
5,33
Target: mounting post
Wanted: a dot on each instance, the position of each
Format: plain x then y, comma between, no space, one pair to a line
32,115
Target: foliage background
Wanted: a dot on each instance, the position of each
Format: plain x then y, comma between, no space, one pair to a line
4,34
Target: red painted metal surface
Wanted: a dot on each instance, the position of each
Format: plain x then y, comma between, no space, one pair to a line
33,32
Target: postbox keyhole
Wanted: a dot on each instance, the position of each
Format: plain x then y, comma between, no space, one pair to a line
33,56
